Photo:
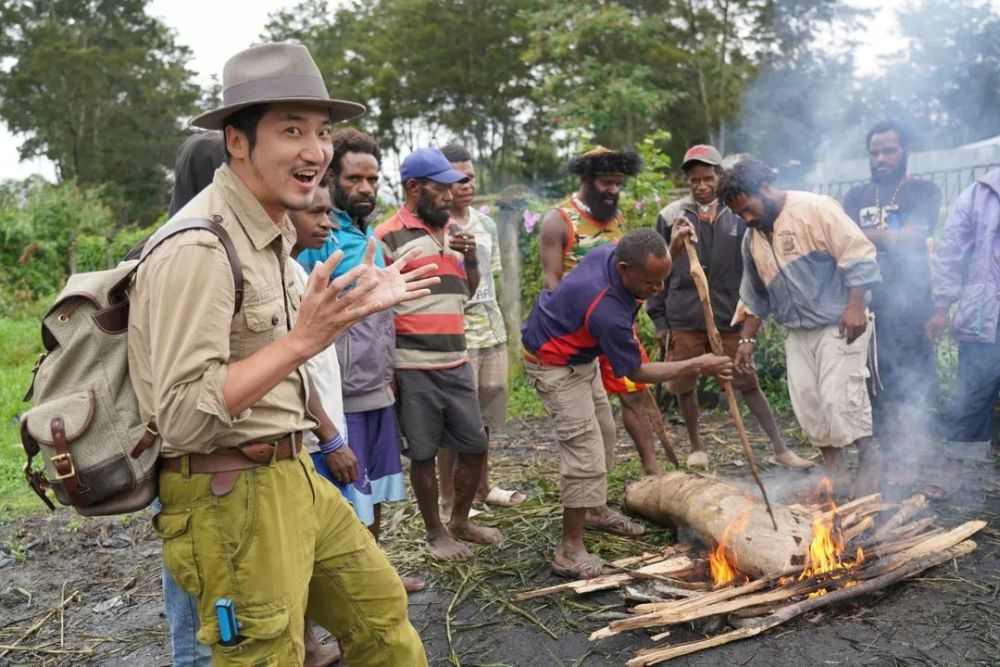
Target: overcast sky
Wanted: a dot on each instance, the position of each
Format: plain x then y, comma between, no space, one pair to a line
216,30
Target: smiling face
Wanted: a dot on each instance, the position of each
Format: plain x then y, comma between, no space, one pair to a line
313,224
291,154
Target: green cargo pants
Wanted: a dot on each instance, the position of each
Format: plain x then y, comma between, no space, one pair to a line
284,544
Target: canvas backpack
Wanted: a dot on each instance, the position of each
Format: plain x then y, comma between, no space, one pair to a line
99,456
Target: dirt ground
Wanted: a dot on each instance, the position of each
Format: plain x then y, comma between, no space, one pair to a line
87,592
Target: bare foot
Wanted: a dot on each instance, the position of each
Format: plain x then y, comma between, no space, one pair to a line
790,459
321,655
444,547
413,584
470,532
697,459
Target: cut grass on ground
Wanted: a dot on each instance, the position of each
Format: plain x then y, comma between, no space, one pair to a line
21,346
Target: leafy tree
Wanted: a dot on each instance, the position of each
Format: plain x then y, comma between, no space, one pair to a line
98,87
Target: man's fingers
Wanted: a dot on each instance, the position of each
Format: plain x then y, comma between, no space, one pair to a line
419,272
322,271
424,284
370,253
407,257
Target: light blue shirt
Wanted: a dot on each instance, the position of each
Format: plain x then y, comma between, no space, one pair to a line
347,237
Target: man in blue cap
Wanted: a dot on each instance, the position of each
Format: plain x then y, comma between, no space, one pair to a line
436,402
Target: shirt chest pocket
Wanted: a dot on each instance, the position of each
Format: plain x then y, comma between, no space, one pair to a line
263,323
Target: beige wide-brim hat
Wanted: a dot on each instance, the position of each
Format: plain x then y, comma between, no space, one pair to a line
274,74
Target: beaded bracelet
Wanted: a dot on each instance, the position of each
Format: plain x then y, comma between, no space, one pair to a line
752,341
332,445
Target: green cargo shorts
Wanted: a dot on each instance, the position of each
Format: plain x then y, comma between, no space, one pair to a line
284,544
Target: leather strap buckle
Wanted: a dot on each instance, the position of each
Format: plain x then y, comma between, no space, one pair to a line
59,461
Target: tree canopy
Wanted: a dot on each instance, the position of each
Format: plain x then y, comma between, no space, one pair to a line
100,88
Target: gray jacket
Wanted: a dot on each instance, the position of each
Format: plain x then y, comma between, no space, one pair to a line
367,363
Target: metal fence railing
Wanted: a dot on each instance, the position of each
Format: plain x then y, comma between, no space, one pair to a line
951,182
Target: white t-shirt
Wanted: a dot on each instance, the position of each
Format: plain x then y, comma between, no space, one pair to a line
324,369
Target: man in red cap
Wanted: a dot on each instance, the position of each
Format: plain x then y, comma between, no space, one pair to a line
677,311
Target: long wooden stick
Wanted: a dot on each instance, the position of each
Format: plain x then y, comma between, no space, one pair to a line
715,340
656,419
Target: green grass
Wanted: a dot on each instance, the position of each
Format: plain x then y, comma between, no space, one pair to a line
21,346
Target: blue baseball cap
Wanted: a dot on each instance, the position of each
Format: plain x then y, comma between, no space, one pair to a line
430,163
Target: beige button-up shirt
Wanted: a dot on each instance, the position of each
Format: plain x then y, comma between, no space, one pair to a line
183,334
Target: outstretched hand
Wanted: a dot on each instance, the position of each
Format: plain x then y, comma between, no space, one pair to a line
329,308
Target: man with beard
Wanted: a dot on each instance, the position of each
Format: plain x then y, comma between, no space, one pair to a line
677,312
588,219
809,266
898,214
437,404
365,352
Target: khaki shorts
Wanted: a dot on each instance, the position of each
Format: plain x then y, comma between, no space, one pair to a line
282,537
827,385
585,429
686,345
489,372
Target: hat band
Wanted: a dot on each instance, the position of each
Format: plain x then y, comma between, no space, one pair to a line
275,88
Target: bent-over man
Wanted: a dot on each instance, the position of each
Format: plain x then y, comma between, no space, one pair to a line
590,313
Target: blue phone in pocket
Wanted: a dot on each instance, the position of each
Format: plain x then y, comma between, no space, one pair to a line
229,627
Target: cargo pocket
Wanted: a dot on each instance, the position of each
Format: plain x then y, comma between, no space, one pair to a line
261,628
581,451
262,323
857,390
178,549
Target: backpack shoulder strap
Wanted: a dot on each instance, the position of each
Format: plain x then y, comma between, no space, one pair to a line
208,225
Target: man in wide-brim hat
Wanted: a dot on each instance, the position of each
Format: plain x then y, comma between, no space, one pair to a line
248,526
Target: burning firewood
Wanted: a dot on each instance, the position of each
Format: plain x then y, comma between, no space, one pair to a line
822,554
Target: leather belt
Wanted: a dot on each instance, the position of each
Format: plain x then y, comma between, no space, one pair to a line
234,459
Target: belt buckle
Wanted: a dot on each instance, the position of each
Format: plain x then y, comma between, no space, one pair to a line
259,452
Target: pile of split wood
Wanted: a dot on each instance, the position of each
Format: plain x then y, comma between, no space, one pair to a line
674,586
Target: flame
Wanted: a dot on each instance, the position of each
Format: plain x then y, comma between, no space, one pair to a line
827,548
723,569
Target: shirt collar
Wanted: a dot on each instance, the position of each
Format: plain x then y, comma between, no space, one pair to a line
249,211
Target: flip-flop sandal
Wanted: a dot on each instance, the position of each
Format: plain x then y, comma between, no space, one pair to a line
588,568
504,497
617,524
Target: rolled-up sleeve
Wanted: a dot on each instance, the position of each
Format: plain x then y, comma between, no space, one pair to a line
191,300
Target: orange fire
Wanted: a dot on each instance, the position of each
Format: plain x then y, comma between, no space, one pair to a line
723,569
827,547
